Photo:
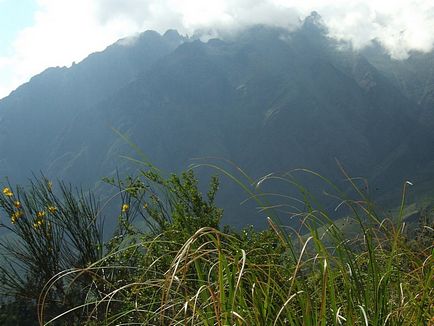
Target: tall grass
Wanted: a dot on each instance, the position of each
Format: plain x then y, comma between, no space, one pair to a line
50,228
182,268
271,277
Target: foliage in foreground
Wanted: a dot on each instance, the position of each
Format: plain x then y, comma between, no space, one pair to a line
170,263
49,232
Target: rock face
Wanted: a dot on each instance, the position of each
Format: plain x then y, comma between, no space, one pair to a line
267,99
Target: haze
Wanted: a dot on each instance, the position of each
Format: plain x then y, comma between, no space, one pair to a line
57,32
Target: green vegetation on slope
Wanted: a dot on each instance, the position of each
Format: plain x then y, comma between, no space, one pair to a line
169,262
266,98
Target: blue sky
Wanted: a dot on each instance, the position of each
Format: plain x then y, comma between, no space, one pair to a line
15,15
37,34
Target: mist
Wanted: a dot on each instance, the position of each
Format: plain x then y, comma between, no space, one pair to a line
65,31
399,26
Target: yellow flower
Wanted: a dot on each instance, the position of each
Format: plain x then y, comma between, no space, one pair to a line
52,209
38,224
49,185
40,214
125,208
17,204
7,192
15,216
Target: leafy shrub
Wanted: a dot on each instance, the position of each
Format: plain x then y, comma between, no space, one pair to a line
50,231
170,262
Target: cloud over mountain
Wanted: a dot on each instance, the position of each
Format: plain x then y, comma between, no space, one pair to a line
66,31
400,26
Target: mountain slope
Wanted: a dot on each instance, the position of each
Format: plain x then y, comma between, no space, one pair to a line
267,99
35,116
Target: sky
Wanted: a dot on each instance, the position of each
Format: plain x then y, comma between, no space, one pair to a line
37,34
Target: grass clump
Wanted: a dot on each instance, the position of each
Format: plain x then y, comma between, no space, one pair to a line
49,231
170,262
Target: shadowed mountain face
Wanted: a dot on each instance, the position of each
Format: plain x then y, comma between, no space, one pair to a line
267,99
35,118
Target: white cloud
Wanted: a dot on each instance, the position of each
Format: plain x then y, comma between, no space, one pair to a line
66,31
400,26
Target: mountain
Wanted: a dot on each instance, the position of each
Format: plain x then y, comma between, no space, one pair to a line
268,99
414,77
34,118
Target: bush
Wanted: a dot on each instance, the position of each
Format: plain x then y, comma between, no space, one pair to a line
170,262
50,231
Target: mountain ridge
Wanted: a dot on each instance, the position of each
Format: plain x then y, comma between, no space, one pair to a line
268,99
